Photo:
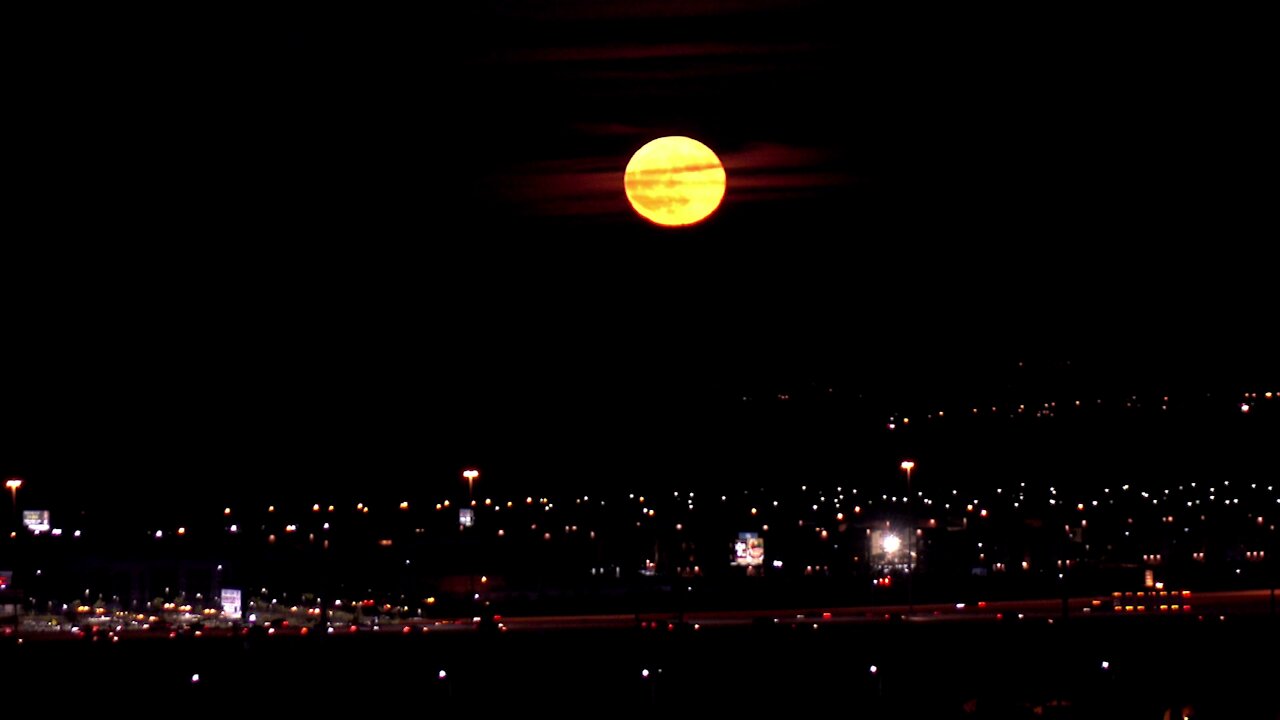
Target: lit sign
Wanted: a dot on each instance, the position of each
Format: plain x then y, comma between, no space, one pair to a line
748,550
231,603
466,517
36,520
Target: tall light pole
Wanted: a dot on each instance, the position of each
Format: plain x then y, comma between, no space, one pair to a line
470,474
13,484
908,466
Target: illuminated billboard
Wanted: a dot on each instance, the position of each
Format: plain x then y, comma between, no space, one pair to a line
36,520
231,603
6,579
748,550
890,548
466,517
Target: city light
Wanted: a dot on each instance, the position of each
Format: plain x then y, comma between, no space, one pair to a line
13,484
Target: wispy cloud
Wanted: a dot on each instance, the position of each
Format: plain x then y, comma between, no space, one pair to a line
579,186
596,10
777,171
646,51
757,172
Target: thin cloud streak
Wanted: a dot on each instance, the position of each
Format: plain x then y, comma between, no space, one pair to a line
669,51
594,10
594,185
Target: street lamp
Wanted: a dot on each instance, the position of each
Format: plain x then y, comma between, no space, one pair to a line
908,466
471,474
13,484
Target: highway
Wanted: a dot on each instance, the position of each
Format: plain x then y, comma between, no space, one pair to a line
1208,605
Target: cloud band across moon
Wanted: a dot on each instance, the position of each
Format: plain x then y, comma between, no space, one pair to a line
592,187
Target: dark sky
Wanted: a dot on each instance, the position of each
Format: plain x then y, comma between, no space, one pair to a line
307,246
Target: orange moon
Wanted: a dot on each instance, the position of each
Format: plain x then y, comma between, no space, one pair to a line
674,181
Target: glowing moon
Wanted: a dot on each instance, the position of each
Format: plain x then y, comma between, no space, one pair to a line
674,180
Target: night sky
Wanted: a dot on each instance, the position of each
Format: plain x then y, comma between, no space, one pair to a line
313,249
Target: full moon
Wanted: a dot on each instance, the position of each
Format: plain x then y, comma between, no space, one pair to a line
674,181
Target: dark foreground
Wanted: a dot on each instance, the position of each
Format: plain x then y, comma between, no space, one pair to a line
979,669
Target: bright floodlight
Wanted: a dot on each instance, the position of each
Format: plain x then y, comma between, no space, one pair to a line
891,544
908,464
13,483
